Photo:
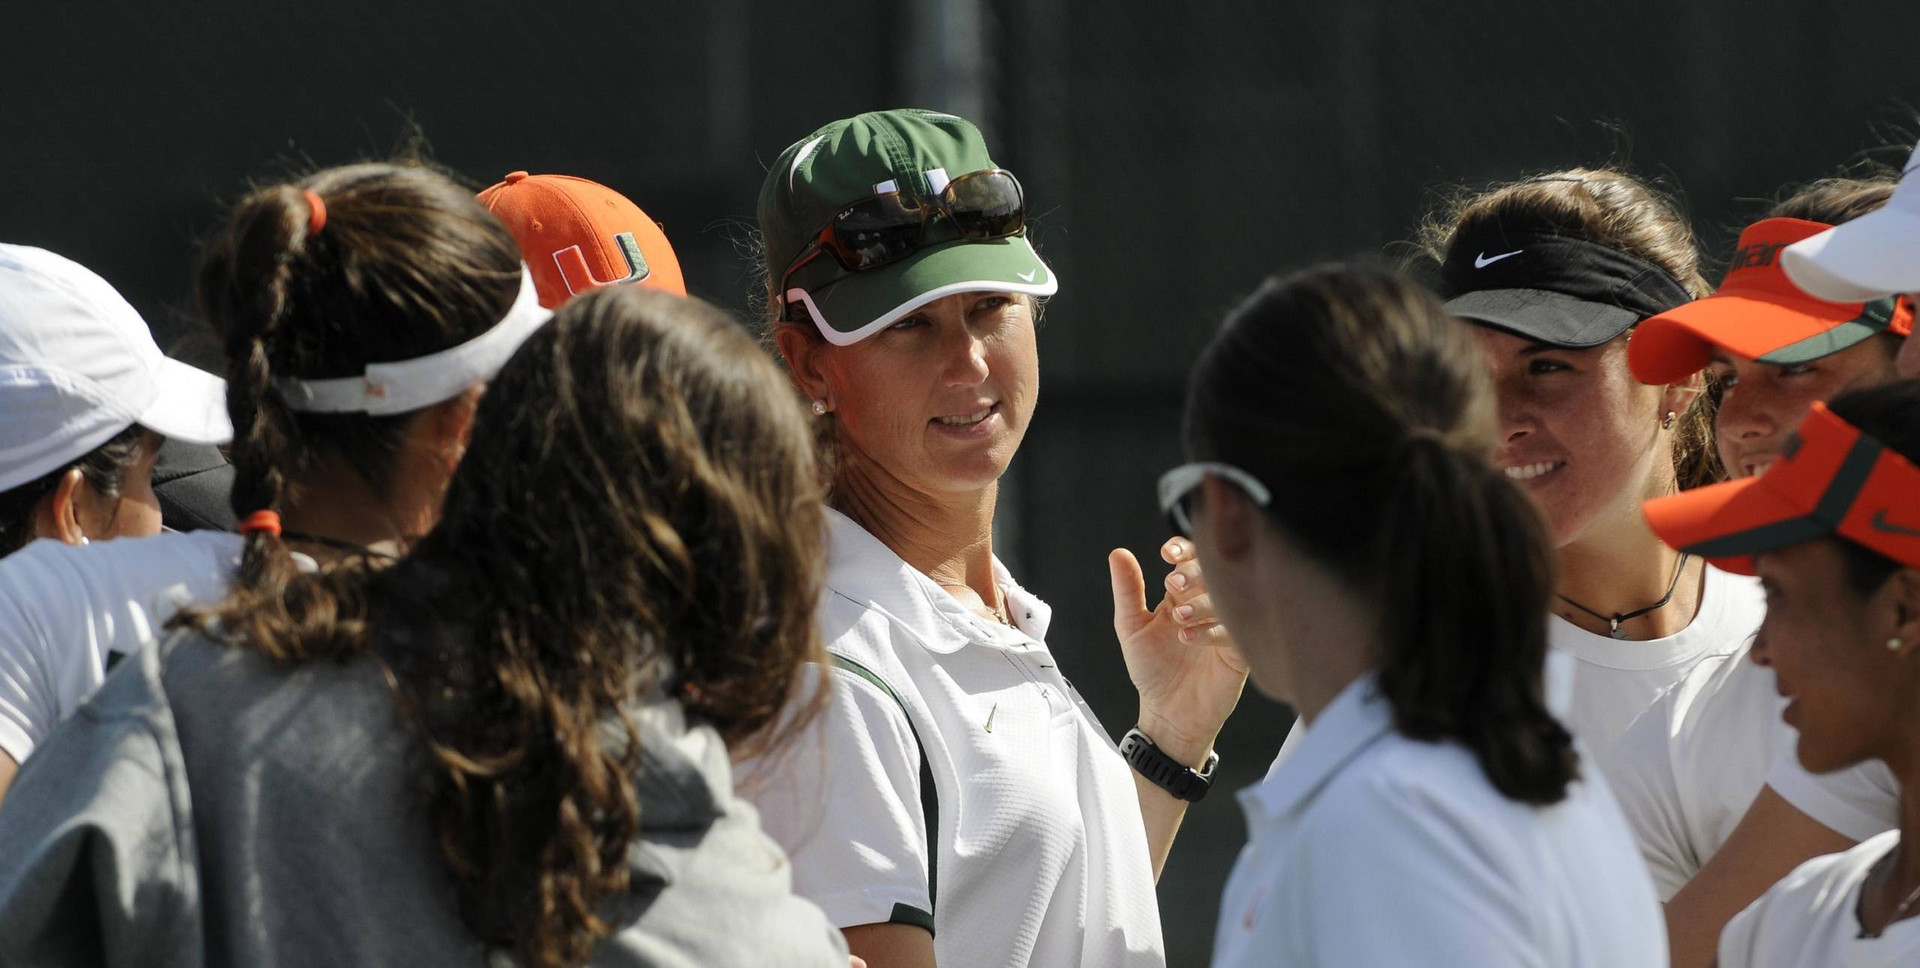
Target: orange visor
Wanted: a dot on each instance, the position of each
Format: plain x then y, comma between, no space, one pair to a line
1834,480
1759,314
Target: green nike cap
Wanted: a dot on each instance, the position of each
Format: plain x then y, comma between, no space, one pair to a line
907,150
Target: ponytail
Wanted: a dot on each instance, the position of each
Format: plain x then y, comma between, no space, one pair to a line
1463,630
1366,410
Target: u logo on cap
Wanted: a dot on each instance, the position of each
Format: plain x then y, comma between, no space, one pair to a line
579,278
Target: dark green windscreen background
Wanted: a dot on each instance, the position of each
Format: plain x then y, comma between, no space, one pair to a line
1174,154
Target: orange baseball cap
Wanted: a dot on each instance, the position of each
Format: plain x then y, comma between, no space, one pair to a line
1834,480
1760,314
579,235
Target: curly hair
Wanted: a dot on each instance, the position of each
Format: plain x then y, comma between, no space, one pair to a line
638,515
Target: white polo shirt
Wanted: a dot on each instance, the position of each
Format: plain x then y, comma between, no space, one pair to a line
1367,848
1040,851
1810,919
67,614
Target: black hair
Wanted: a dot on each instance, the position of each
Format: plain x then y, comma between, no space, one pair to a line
105,469
1367,412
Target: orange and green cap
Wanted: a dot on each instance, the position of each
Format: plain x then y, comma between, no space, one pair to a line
1758,313
907,150
578,235
1833,481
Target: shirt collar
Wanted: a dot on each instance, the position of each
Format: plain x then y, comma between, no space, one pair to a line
1357,717
861,568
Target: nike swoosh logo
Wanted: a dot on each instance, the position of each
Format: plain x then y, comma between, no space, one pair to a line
800,158
1881,523
1481,261
1028,275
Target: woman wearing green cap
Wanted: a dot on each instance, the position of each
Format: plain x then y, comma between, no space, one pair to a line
958,802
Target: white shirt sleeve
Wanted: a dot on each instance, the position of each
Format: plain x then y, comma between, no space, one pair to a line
29,678
844,800
1388,881
1858,802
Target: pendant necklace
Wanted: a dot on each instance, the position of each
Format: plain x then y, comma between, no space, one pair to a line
1616,618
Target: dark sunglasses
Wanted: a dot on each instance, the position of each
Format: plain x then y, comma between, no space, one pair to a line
879,229
1177,487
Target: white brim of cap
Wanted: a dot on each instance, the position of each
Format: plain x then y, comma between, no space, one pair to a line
1872,257
191,405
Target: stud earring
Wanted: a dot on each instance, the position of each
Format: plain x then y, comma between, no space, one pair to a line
819,408
1894,644
1667,424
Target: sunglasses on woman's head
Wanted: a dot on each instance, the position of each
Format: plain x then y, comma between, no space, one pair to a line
1178,485
981,206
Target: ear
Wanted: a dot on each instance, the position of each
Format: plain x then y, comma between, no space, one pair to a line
448,427
806,355
1224,519
1902,592
1677,397
57,516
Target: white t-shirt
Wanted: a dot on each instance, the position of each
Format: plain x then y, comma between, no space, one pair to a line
1687,770
1367,848
68,614
1041,853
1598,685
1810,919
1859,802
1618,679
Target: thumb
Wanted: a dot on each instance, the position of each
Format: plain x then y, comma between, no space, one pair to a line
1129,592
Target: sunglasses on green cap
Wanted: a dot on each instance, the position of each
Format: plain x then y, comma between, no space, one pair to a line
981,206
871,217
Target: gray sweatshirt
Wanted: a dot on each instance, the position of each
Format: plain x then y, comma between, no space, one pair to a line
210,807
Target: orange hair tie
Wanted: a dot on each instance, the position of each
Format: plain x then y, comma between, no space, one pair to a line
317,219
268,521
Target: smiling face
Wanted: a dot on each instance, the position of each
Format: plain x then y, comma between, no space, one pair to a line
1826,642
1761,403
1577,432
938,401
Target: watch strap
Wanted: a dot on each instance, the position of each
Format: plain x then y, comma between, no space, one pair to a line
1165,772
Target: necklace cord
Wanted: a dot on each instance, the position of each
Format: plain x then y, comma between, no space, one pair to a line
1619,617
337,544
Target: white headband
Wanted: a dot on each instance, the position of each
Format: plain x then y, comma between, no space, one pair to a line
406,385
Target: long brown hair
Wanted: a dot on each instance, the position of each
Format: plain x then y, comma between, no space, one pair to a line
1366,410
1608,207
638,515
406,263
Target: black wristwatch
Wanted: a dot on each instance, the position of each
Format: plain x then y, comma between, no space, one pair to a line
1164,771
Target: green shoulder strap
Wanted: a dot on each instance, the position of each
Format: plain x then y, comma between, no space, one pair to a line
929,798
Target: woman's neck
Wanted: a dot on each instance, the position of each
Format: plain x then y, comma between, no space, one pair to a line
947,537
1623,567
337,504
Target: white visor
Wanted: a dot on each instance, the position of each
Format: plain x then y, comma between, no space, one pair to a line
408,385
